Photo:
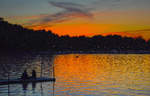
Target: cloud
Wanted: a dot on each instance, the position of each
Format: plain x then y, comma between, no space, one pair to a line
70,11
139,31
145,33
143,30
72,7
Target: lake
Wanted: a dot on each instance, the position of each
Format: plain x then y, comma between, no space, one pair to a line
79,74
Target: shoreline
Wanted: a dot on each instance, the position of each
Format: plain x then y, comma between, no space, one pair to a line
102,52
74,52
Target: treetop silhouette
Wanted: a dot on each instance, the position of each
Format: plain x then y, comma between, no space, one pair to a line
15,37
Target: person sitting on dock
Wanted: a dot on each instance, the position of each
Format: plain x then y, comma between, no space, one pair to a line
33,74
24,75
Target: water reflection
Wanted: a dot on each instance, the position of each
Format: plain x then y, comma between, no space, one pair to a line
103,74
24,86
80,75
14,65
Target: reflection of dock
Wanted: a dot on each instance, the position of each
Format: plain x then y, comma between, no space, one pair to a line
30,81
16,81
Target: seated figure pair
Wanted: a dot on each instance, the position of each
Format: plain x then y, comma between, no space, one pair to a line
25,75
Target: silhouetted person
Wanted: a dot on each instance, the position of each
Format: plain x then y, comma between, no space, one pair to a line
33,74
1,19
24,75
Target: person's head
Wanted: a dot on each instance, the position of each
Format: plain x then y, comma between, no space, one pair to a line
25,70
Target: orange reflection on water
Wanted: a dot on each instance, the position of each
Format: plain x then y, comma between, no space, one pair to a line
75,66
119,71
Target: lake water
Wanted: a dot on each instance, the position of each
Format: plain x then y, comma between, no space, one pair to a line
79,74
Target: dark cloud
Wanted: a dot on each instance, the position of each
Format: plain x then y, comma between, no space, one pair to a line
70,11
144,30
140,31
68,6
71,7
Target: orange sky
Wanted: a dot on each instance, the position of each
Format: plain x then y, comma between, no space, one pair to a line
77,18
85,27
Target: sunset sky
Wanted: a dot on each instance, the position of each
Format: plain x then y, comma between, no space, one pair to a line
81,17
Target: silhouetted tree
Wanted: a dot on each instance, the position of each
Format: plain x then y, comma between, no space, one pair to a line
15,37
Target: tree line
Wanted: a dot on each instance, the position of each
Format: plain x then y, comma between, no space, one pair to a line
16,37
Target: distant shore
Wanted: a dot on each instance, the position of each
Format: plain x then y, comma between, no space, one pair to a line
22,54
50,52
96,52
